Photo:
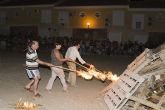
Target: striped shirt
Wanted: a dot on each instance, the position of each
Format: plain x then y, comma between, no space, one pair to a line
31,57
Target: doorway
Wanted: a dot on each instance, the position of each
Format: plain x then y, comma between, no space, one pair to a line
90,34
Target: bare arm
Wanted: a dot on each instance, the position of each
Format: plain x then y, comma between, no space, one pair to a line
59,57
44,63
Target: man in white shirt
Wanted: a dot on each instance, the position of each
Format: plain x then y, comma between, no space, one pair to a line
74,54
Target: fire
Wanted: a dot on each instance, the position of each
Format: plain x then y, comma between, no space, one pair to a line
90,73
112,77
25,105
84,74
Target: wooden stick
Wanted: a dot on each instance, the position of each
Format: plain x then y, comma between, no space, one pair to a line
80,64
98,70
65,68
86,67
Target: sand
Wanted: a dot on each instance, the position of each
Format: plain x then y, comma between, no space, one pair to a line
83,97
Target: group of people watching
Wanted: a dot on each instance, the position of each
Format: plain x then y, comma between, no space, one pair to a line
88,47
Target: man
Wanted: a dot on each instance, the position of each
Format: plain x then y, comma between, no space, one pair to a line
73,53
57,60
32,62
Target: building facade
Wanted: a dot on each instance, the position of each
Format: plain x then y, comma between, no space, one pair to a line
118,22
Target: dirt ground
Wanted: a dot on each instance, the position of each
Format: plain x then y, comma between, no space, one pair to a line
84,97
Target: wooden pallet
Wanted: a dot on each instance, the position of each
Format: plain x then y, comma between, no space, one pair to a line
118,94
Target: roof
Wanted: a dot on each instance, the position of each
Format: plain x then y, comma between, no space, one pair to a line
93,2
147,4
70,3
26,2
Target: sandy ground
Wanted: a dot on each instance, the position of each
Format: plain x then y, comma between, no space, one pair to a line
84,97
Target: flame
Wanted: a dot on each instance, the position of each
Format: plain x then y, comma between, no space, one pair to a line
113,77
84,74
90,73
25,105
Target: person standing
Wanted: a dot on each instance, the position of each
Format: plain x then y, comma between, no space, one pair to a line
57,60
73,53
32,68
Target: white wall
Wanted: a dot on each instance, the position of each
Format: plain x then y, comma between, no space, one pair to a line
141,38
43,30
115,36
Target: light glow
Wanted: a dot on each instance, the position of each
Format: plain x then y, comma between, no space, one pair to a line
92,72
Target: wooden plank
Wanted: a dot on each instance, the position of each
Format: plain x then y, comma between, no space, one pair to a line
108,102
119,92
124,86
162,100
115,99
145,102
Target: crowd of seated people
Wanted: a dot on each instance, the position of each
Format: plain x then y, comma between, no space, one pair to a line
88,47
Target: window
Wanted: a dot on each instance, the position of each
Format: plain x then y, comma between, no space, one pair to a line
138,25
118,18
138,22
63,17
46,16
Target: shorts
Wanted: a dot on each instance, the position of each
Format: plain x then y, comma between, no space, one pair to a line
32,73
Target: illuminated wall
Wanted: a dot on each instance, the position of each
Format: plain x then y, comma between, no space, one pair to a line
78,17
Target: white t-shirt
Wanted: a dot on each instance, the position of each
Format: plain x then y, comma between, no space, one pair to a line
74,54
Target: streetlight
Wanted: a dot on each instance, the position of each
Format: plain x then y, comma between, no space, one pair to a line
88,24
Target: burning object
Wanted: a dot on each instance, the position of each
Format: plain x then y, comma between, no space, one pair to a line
26,105
90,73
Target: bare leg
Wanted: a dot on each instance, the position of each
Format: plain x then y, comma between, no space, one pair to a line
39,78
29,85
36,81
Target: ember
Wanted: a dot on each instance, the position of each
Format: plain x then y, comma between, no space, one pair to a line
26,105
